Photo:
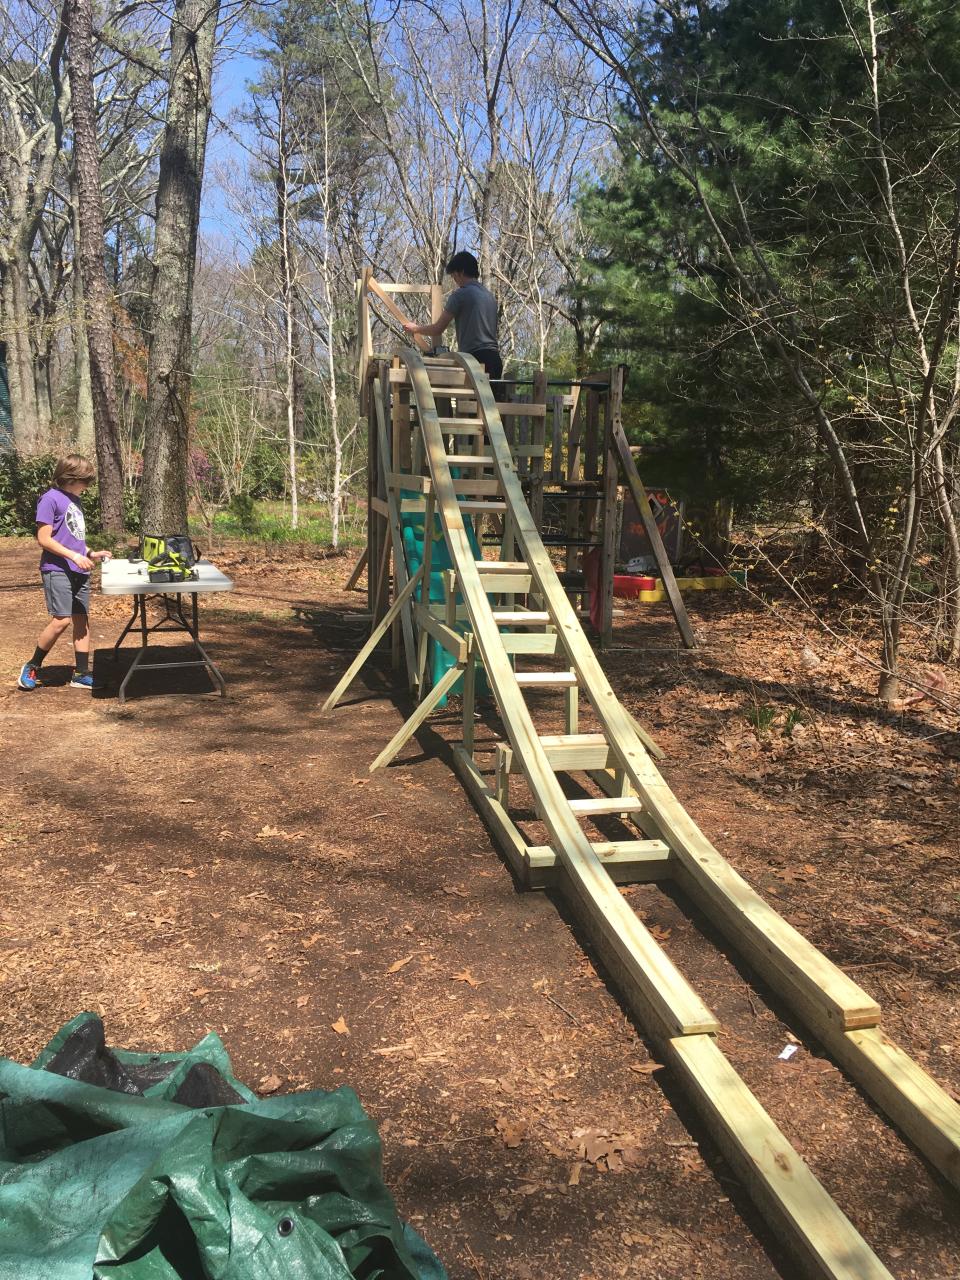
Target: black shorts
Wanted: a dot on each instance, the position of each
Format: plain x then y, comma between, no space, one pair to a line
489,357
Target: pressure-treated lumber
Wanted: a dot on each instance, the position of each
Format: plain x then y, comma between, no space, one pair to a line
821,991
639,495
821,1237
655,983
587,872
376,635
410,727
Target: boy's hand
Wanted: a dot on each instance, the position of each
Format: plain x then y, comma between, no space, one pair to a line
102,556
84,563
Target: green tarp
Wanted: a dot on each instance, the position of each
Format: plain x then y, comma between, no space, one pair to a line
126,1166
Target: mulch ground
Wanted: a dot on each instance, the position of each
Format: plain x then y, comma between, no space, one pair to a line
186,863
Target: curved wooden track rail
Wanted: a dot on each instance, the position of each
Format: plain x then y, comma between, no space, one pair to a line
457,462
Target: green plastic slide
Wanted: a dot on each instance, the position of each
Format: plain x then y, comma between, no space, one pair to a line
127,1166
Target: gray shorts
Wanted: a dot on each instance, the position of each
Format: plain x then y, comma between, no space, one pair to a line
66,593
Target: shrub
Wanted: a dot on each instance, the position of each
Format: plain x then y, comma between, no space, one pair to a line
23,479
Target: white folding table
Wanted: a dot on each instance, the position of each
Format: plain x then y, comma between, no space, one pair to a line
129,578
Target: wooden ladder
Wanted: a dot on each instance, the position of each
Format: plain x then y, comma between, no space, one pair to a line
461,467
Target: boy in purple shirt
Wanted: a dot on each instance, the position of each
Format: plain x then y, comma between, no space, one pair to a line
65,565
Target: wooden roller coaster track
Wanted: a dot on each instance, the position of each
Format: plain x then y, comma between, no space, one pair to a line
458,467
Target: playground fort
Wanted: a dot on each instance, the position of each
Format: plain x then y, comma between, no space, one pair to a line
462,578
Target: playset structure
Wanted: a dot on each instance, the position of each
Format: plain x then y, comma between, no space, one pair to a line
445,467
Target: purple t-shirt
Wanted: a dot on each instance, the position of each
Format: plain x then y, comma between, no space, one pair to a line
62,512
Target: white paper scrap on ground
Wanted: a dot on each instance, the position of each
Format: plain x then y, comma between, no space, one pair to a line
787,1052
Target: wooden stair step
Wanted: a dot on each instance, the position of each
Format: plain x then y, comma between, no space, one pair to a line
477,508
543,644
626,861
472,425
520,618
469,460
515,584
546,679
503,566
595,806
572,752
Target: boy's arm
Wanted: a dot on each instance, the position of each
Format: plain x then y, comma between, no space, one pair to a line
431,330
49,543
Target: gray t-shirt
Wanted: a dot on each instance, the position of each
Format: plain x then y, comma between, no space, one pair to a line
474,310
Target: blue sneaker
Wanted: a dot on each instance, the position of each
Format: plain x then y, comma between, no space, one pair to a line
28,678
79,681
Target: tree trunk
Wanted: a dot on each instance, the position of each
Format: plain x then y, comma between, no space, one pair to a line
97,309
24,410
83,431
167,427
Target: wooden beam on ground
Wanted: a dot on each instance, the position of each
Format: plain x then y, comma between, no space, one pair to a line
913,1100
820,1236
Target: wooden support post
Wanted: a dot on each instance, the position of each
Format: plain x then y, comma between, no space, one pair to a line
450,597
608,507
393,533
572,710
504,762
357,570
556,441
592,435
422,643
639,494
407,730
376,635
538,438
469,697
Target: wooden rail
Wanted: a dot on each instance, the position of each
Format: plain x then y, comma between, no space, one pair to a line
485,604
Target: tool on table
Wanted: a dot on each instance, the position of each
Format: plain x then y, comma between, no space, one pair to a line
170,557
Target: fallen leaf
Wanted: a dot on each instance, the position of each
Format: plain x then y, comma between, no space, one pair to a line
660,932
575,1171
512,1132
645,1068
311,941
455,891
340,1026
467,977
270,1084
302,1001
398,964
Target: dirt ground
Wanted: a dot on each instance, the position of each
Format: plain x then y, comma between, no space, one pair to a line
188,863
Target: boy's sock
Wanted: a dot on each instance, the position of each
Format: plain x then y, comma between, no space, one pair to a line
38,657
80,662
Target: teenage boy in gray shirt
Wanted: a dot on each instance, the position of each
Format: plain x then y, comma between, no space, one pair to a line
473,309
